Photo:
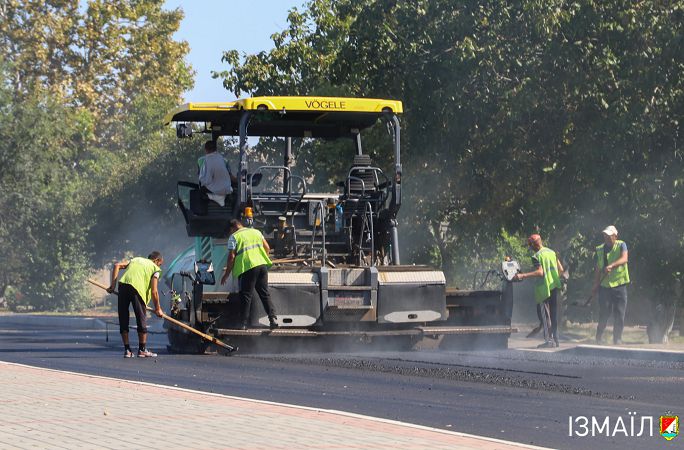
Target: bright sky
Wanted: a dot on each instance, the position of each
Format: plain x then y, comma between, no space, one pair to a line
212,26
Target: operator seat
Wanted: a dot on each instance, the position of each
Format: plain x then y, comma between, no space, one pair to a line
365,185
362,180
366,182
204,217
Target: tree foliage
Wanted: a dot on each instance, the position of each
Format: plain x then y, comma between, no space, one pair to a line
542,115
84,87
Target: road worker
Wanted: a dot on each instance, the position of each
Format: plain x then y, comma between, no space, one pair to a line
611,278
215,176
137,285
248,262
548,269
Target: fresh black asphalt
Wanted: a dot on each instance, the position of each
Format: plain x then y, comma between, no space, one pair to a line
513,395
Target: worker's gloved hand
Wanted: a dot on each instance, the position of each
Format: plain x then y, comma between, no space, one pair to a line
159,312
110,289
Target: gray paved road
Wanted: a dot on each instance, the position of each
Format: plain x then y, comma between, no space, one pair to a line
519,396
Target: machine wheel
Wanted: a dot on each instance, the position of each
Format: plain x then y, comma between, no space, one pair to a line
183,342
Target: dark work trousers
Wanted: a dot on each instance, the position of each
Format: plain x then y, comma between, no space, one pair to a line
129,296
255,278
539,314
612,301
549,316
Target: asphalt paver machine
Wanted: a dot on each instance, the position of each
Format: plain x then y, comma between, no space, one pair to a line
337,270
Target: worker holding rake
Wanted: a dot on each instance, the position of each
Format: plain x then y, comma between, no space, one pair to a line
137,285
611,278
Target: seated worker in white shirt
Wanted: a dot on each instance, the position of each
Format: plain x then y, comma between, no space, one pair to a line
214,174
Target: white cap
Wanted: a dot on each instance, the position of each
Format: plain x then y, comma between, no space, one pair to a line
610,230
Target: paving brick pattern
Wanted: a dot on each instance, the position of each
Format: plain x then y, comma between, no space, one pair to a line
48,409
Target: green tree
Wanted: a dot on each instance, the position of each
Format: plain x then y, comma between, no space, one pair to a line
85,87
558,117
42,231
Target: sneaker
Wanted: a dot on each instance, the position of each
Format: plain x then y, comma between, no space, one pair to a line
128,354
547,345
272,324
618,342
146,354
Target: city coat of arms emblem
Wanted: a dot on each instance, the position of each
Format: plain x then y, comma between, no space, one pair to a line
669,427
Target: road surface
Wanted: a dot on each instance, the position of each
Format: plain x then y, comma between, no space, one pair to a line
520,396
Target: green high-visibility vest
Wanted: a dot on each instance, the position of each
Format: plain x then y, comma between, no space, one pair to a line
139,275
619,275
249,251
551,279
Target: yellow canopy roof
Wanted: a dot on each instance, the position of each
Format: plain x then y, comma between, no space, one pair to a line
327,104
288,116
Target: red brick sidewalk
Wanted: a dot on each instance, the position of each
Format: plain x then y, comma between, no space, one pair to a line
44,408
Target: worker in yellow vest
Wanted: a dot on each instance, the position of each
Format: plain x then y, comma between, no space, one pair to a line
548,269
136,287
248,262
611,278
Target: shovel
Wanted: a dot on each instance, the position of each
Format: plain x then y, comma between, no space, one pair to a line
591,296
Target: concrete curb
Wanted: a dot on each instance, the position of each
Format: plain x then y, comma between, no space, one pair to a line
154,325
72,322
626,353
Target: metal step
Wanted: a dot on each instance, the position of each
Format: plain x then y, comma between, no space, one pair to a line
351,307
349,288
416,331
493,329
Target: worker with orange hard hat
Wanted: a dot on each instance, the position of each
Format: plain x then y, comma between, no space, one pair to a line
547,269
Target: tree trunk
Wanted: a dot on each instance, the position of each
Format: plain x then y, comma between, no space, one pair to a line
661,323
